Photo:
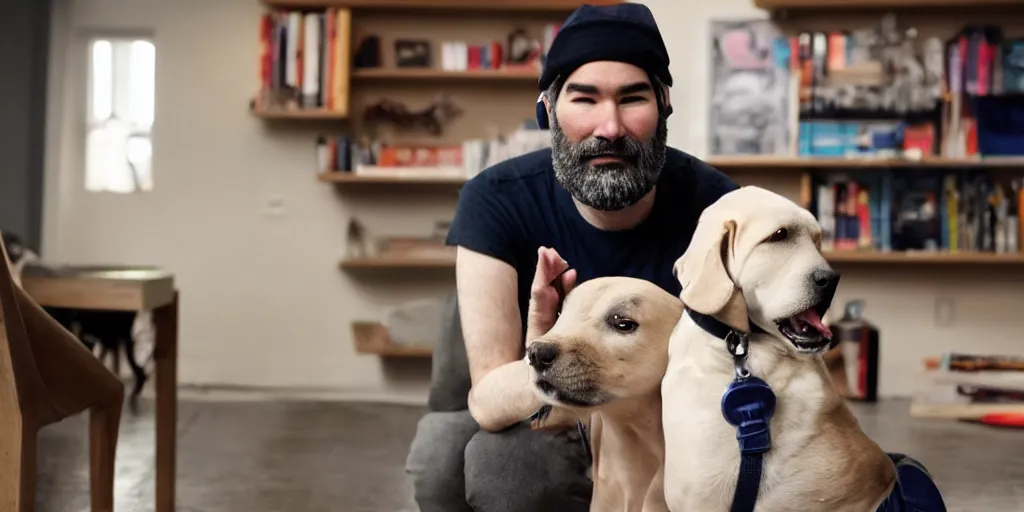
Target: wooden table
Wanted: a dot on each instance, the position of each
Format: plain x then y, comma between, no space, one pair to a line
128,289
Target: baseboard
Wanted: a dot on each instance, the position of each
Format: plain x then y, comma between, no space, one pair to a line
236,393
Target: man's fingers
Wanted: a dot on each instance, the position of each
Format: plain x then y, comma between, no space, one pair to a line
549,265
551,280
539,274
568,280
542,275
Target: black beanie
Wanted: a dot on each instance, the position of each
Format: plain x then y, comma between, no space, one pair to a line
624,33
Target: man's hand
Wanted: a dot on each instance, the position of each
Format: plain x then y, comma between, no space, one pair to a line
545,297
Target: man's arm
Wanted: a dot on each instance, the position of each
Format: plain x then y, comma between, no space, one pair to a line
488,235
501,393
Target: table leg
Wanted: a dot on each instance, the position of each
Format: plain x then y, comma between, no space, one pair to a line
165,357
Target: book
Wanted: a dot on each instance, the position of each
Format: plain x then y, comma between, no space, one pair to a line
969,386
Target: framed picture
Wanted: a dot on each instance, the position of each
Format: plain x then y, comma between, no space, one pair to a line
412,53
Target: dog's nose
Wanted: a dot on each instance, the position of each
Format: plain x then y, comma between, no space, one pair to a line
542,355
825,277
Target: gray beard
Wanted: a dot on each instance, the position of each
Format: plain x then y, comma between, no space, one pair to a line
610,186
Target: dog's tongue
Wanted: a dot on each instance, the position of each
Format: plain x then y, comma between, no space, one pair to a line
812,318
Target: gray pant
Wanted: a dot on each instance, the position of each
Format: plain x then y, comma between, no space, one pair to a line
456,467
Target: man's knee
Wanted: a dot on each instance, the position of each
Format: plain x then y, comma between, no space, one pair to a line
519,470
436,460
915,490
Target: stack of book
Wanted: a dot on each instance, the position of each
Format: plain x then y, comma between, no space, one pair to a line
969,386
305,59
957,210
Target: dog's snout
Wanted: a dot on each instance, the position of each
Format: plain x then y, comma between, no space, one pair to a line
542,354
825,277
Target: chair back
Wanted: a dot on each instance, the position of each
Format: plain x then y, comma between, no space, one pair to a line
20,384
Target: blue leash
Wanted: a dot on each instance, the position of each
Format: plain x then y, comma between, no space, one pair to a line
748,404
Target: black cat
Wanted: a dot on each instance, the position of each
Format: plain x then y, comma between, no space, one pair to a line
111,330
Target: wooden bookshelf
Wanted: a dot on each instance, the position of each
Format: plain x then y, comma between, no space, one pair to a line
866,257
925,258
430,74
491,101
311,114
785,163
821,5
392,263
450,6
372,338
347,178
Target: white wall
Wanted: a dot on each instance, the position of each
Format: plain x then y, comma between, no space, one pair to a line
263,301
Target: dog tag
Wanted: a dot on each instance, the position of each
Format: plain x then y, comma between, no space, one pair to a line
749,404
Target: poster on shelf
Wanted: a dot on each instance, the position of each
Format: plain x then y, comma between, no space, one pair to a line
751,98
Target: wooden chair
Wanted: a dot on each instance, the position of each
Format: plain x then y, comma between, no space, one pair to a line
47,375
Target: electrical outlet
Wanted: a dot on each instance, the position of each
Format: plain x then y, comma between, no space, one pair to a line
945,312
275,207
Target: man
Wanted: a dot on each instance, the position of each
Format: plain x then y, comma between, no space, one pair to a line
608,198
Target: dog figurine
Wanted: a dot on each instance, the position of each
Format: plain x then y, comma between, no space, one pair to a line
745,371
604,359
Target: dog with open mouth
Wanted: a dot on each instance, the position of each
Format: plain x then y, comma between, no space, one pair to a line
604,360
750,412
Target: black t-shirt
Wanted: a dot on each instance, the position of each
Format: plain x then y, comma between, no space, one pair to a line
516,206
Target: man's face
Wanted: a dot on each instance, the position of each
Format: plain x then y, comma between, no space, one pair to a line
608,138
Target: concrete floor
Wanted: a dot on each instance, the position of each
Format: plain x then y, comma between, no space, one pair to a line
326,456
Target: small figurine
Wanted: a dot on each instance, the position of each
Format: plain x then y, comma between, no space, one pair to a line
432,118
357,245
521,48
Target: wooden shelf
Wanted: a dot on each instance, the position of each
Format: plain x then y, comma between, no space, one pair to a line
551,6
299,114
398,263
822,5
495,75
926,258
785,163
895,258
347,178
372,338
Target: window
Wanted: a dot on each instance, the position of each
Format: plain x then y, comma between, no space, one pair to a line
121,97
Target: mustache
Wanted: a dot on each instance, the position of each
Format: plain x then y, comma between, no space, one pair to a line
623,147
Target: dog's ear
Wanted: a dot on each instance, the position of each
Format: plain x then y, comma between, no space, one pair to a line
707,286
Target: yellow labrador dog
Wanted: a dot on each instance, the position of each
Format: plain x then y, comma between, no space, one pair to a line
755,264
604,358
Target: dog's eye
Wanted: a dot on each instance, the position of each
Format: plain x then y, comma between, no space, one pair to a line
622,324
779,235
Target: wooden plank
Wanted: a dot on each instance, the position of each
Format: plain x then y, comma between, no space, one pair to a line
926,258
868,257
452,5
821,5
347,178
372,338
399,263
962,411
299,114
785,163
119,289
431,74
